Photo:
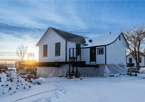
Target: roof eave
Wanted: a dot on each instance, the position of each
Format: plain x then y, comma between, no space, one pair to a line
125,39
110,42
45,34
42,36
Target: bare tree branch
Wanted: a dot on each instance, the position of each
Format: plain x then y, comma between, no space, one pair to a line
21,51
135,38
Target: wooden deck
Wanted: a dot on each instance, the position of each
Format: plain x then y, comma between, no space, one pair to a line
57,64
44,64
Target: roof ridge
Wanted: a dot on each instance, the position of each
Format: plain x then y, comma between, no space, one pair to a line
66,32
117,33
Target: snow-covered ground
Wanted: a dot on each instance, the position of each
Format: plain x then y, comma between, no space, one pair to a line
11,83
98,89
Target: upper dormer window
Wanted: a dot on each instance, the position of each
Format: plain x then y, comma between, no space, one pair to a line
119,37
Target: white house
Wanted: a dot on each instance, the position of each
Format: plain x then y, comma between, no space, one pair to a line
107,49
102,50
54,45
130,59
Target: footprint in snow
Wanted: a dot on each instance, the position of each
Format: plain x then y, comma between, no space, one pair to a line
56,94
48,99
64,92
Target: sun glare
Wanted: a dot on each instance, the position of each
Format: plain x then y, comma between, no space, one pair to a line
31,58
32,54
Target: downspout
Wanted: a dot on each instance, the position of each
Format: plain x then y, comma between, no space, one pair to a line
144,60
66,51
105,56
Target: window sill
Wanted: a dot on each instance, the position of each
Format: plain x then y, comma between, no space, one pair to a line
57,55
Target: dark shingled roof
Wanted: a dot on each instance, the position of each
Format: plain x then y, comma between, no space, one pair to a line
69,36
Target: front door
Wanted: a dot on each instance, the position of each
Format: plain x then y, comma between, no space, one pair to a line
93,54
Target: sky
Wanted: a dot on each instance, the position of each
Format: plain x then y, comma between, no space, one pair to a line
23,22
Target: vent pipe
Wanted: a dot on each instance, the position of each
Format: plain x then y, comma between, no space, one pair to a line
90,41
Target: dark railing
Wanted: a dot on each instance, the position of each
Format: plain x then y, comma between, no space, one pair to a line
130,64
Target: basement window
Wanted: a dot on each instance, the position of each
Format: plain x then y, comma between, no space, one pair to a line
100,51
57,49
44,50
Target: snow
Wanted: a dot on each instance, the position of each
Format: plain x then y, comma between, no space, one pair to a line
102,40
11,83
39,80
12,69
142,70
90,89
106,71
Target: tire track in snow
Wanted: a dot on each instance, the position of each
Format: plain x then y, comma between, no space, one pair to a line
55,95
36,94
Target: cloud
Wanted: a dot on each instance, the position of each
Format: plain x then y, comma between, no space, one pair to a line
11,28
25,21
8,60
41,14
9,44
7,54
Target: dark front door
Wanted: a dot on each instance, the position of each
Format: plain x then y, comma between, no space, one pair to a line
93,54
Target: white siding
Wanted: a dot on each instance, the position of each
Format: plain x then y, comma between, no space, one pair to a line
85,55
133,60
116,52
50,39
100,59
70,45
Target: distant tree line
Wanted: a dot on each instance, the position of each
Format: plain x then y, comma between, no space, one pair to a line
3,67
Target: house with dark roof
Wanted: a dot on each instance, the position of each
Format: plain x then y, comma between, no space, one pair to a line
55,46
107,49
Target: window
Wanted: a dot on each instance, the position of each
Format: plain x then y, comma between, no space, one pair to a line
57,49
100,51
119,37
140,60
44,50
130,60
78,49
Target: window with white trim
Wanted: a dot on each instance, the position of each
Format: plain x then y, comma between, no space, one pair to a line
78,49
57,49
100,51
44,50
